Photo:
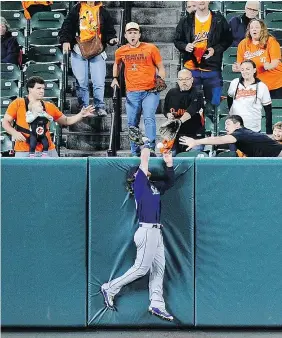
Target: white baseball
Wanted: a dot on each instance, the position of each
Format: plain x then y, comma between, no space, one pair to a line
160,145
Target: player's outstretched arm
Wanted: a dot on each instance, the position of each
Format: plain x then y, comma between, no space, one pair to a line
145,156
191,143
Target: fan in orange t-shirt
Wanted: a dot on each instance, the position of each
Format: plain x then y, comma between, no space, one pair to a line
264,50
142,63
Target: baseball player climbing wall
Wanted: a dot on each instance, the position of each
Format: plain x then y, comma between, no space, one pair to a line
127,291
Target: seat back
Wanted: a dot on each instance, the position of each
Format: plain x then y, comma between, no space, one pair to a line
10,72
16,20
44,54
49,72
273,21
11,6
228,74
230,56
44,37
9,89
47,20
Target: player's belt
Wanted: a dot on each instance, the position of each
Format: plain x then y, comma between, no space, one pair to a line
150,225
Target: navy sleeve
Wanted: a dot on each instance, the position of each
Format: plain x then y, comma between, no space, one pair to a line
162,186
13,51
140,183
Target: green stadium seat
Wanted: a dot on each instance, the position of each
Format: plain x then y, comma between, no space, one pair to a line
9,89
222,109
11,6
277,35
16,20
221,125
44,54
273,21
272,6
44,37
231,15
216,6
234,6
20,37
209,126
47,20
276,110
225,88
230,56
60,6
49,72
4,105
10,72
228,74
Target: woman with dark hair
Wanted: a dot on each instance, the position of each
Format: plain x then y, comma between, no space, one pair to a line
262,48
10,49
247,96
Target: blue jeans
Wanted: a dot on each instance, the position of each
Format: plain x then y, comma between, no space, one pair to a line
97,67
212,84
148,103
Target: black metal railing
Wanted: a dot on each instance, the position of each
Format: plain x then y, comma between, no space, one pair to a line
114,144
180,60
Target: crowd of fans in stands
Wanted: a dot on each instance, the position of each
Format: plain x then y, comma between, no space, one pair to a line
202,36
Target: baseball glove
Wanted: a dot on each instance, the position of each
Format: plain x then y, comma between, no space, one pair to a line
135,135
159,87
169,129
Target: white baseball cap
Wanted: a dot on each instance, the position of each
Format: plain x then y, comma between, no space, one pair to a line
132,25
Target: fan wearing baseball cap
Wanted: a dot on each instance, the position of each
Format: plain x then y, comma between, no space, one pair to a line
142,63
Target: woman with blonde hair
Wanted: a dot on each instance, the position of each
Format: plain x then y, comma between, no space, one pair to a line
264,50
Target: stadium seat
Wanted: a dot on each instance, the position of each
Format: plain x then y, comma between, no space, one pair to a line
273,21
9,89
221,125
276,110
216,6
44,54
10,72
228,74
231,15
230,56
271,6
225,88
16,20
234,6
4,105
209,126
222,109
44,37
46,20
20,37
50,73
60,6
11,6
277,35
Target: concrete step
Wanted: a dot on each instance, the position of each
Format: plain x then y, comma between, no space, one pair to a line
156,16
103,124
152,33
167,50
93,142
157,4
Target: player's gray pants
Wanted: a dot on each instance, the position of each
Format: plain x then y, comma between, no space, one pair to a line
150,256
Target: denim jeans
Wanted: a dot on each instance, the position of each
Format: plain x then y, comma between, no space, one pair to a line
212,84
80,70
148,103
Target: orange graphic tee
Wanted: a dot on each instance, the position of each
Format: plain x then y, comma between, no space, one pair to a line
200,40
17,111
140,65
89,24
248,51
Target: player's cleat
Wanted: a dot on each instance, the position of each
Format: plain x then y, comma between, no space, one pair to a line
135,135
160,313
109,300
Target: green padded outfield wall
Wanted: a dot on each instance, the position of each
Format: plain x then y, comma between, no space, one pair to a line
44,242
112,224
238,266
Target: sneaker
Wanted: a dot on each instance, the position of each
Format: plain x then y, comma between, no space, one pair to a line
135,135
163,314
101,112
109,300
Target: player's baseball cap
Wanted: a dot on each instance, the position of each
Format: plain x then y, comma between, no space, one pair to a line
132,25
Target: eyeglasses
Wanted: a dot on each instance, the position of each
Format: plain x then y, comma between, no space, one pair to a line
186,79
252,9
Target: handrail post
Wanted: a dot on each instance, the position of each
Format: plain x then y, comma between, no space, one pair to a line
180,59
